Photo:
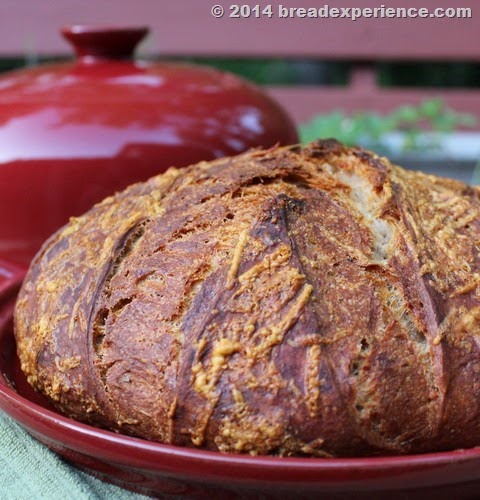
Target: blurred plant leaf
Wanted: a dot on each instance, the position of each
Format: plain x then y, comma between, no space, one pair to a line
431,108
370,128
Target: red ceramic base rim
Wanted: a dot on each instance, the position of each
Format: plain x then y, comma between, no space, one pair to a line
319,474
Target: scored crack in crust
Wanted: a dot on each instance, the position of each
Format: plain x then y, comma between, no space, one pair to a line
295,301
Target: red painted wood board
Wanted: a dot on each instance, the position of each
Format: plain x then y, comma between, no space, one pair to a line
186,27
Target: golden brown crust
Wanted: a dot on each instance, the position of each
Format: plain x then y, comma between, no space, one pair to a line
296,301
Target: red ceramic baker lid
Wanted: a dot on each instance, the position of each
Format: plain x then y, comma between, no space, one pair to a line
73,133
105,103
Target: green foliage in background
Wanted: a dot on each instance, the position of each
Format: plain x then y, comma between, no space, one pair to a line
309,71
438,74
276,71
369,129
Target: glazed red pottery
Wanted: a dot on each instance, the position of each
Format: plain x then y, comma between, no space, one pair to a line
73,133
167,471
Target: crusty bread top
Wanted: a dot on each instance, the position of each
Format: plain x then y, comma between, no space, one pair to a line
312,300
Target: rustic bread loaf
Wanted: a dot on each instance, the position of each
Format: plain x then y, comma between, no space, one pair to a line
295,301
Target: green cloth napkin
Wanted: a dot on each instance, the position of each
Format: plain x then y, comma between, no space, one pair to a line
30,471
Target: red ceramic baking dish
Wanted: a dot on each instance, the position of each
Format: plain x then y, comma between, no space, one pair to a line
74,132
166,471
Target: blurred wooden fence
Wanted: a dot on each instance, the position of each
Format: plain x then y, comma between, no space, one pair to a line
187,28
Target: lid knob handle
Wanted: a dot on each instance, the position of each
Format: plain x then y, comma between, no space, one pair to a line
104,42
